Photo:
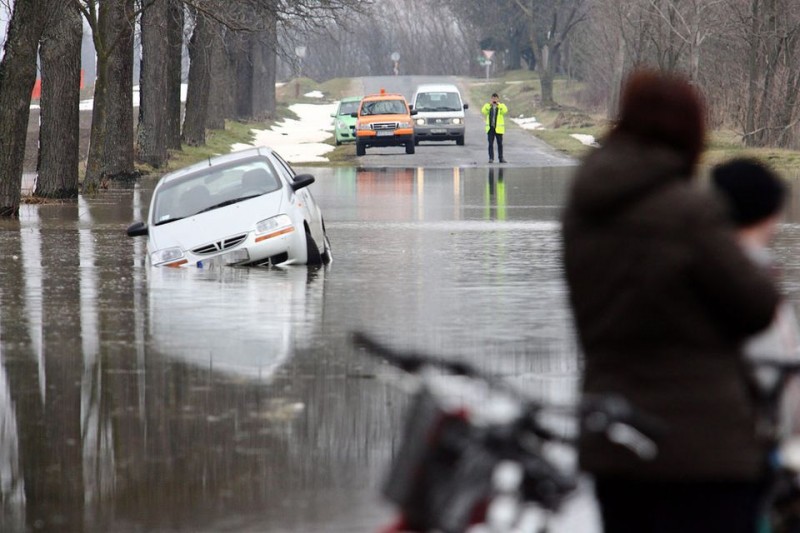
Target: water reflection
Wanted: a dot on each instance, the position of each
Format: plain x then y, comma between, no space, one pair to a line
231,398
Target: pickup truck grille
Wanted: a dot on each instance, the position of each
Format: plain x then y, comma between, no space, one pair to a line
384,126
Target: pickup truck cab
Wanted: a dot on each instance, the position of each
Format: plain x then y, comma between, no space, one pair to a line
384,119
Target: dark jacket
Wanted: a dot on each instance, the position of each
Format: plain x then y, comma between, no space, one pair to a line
662,297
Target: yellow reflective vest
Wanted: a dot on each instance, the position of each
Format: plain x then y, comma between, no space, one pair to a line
500,126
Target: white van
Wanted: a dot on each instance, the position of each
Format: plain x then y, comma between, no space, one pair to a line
440,113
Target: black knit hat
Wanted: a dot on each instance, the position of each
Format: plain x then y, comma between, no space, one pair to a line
752,191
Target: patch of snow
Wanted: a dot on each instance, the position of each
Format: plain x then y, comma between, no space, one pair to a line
314,94
529,123
588,140
301,140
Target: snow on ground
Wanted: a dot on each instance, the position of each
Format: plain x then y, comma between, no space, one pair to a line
301,140
529,123
588,140
314,94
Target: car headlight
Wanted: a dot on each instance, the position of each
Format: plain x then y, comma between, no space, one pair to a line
420,122
456,121
363,126
168,257
273,227
341,125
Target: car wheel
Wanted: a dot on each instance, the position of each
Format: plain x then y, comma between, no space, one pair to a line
360,149
410,147
313,257
460,141
338,142
327,255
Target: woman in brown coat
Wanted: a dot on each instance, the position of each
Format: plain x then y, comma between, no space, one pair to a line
662,298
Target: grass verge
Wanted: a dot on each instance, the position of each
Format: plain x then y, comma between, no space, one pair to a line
520,90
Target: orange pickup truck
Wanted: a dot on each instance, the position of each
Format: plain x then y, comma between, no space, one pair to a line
384,120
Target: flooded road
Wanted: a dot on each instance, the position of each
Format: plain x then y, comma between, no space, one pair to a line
136,399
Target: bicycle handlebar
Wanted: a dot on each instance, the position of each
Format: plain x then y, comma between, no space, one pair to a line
599,413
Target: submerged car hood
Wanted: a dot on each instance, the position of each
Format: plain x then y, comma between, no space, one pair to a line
227,221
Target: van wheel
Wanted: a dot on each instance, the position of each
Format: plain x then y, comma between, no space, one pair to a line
410,147
360,149
460,141
313,257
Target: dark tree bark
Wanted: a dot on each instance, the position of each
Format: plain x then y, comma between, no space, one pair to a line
265,63
119,95
200,50
17,77
244,77
174,78
59,128
221,84
111,144
152,129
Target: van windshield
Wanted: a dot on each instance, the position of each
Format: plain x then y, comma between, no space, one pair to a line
438,101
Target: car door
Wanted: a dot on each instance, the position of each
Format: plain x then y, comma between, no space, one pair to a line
305,201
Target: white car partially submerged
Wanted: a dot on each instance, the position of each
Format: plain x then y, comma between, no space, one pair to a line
244,208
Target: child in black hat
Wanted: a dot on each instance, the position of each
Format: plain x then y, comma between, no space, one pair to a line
755,197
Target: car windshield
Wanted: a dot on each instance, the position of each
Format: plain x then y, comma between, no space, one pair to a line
345,108
384,107
441,101
213,188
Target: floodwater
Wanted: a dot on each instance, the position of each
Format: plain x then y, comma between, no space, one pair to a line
137,399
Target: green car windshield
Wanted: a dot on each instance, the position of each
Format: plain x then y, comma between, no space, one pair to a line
345,108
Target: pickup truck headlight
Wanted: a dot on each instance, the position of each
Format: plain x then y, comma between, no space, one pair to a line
363,126
403,124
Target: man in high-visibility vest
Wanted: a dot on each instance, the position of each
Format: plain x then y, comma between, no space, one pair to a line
495,111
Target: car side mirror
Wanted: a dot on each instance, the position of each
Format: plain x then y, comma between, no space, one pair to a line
410,107
333,115
137,229
412,112
302,180
354,115
466,106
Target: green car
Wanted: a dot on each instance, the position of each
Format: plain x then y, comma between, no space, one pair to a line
343,124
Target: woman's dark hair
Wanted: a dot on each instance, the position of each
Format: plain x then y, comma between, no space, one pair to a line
661,108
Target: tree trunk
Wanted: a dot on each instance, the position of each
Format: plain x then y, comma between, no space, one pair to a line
244,77
752,74
174,77
111,144
59,129
152,130
222,81
264,63
200,49
17,77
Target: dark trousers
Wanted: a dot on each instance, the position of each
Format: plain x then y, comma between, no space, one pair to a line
492,136
707,507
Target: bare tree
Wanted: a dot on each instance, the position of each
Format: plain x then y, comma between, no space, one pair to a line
111,144
153,85
175,23
550,23
17,77
59,128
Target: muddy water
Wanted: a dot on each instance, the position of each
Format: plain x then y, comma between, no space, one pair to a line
136,399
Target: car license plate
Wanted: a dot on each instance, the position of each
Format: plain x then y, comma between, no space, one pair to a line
383,133
438,130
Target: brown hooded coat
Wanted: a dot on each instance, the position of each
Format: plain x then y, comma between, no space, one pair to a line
662,297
